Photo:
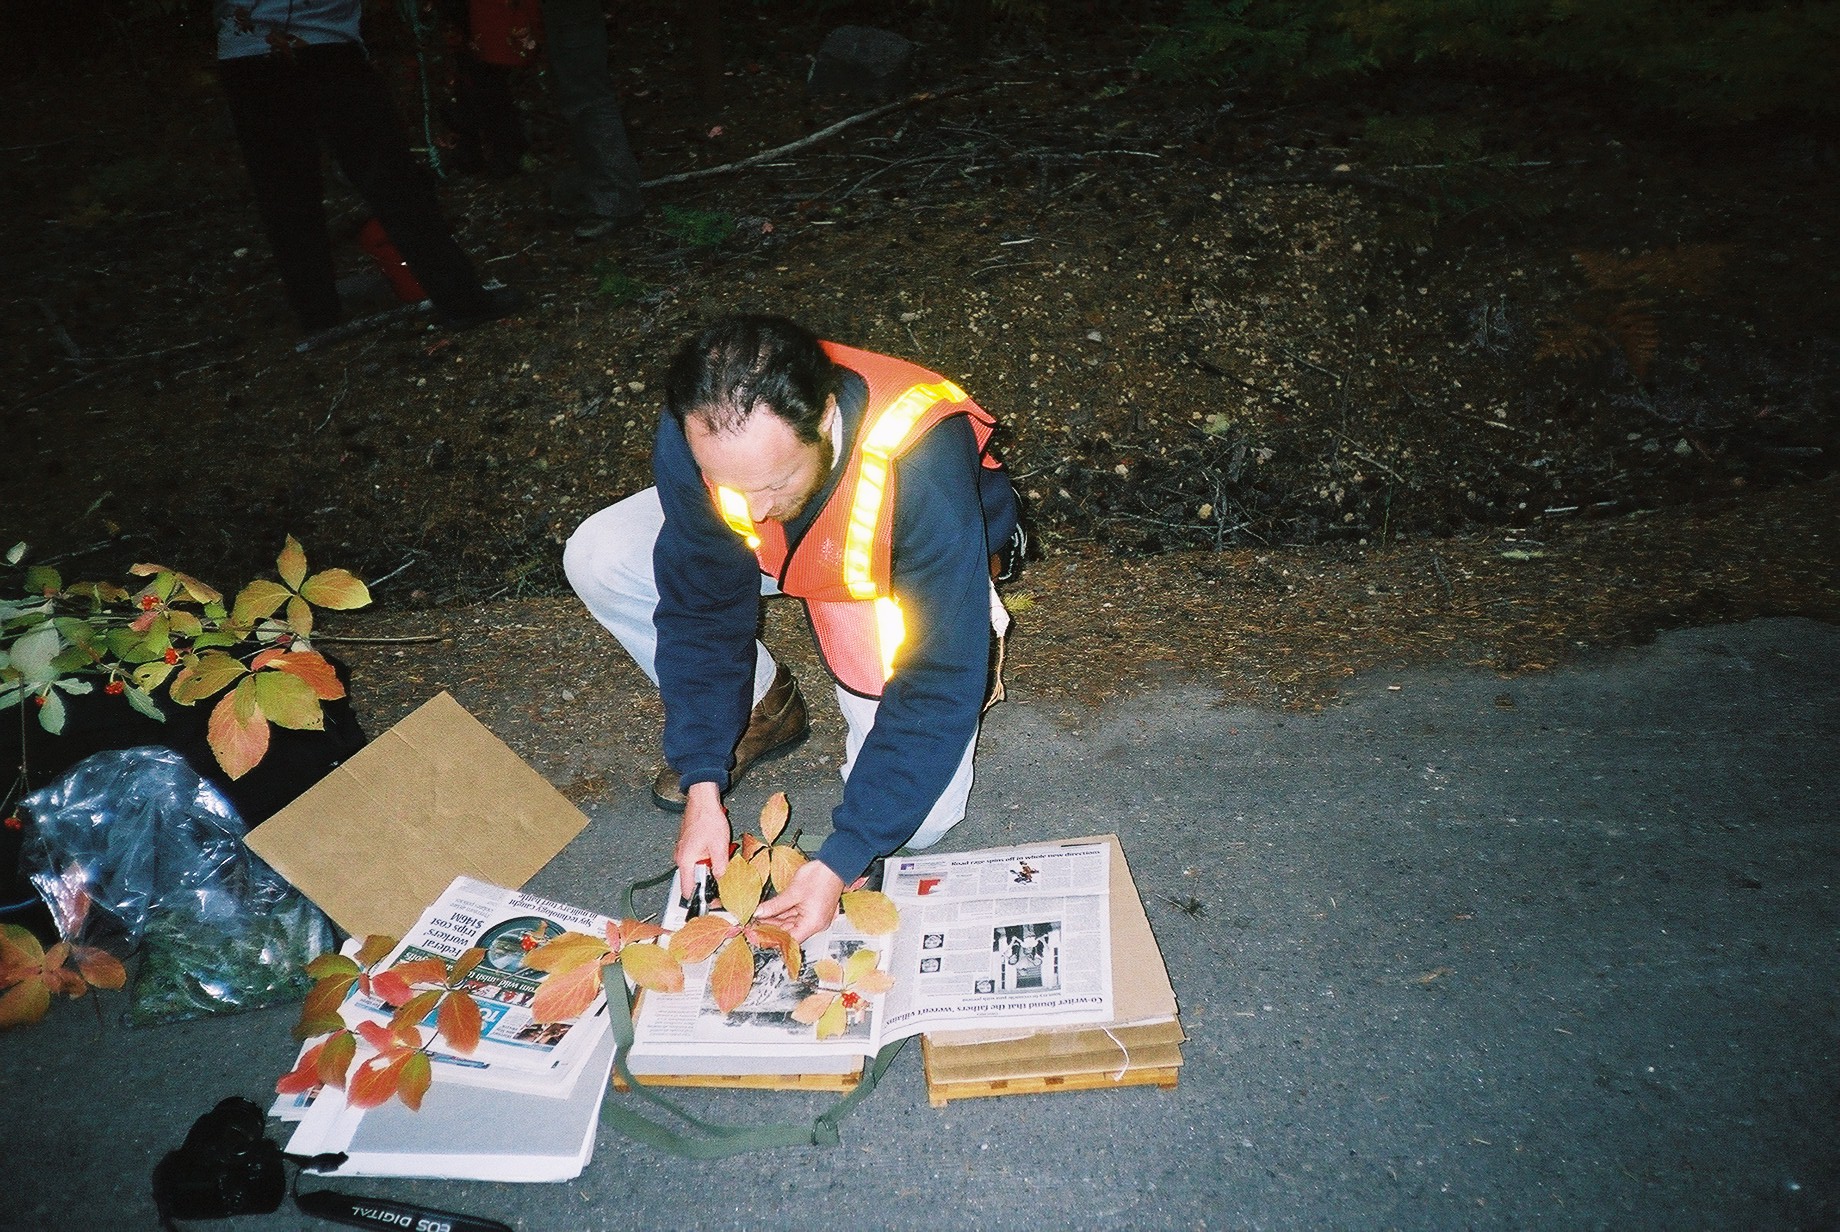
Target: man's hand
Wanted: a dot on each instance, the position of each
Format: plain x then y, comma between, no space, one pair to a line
704,835
808,905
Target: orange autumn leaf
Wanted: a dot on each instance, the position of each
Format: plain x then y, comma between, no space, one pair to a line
413,1078
313,668
335,1058
459,1023
565,953
565,995
783,862
631,931
740,885
415,1009
698,938
773,816
100,968
304,1076
376,1080
653,967
763,936
732,975
871,911
812,1008
238,732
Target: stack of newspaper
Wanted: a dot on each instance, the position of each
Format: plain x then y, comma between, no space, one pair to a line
525,1105
1016,962
1138,1043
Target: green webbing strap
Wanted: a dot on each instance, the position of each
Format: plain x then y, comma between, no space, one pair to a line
714,1140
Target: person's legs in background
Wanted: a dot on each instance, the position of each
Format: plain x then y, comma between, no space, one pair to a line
602,187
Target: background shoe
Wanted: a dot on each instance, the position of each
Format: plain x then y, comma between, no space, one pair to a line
776,724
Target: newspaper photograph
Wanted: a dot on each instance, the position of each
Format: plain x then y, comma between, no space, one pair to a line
507,924
1019,934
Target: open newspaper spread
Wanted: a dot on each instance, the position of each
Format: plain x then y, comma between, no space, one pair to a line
514,1052
1018,936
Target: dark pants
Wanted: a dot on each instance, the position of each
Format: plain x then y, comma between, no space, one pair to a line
605,178
284,107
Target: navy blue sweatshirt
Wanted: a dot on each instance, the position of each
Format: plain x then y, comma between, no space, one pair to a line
709,610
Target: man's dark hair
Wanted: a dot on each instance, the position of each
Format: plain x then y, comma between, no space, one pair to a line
741,364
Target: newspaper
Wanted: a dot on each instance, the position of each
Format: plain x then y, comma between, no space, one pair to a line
514,1051
1018,936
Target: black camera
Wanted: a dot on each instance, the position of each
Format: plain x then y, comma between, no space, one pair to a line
227,1166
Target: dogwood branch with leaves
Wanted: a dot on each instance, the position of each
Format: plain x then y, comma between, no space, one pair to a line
175,633
733,939
576,965
31,975
399,1064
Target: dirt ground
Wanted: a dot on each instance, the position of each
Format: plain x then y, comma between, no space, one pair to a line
1295,388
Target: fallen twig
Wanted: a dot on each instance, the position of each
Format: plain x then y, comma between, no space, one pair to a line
359,325
913,100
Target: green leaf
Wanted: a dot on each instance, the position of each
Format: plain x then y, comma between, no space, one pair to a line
331,964
258,601
292,563
205,676
337,589
17,552
32,653
153,675
289,701
43,580
299,616
143,702
51,714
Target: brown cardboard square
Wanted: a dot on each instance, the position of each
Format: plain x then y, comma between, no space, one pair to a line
435,797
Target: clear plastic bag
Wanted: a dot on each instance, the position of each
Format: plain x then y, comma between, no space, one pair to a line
132,849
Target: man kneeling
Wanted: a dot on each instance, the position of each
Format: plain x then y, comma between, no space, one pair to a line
862,485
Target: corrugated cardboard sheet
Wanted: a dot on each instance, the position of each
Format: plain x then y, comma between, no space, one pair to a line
435,797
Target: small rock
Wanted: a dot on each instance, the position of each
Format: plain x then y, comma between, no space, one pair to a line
861,61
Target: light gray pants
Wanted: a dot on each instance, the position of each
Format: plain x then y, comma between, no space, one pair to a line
609,563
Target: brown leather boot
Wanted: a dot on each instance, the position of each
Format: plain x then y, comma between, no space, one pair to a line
776,724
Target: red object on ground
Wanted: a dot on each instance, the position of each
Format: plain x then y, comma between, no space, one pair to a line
505,32
376,244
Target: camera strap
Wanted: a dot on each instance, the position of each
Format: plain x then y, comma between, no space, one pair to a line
389,1215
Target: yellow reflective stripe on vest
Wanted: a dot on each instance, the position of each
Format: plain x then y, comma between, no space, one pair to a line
890,632
885,436
734,511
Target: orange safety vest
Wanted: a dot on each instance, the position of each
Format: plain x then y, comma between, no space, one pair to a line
840,569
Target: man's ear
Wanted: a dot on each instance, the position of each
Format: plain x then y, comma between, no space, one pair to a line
827,422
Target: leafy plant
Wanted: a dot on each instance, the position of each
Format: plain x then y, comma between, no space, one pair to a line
616,286
175,633
732,942
775,861
577,966
697,228
760,863
1616,314
399,1064
844,989
30,975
